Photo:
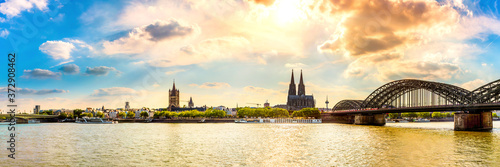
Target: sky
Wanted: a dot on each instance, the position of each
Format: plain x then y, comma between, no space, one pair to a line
78,54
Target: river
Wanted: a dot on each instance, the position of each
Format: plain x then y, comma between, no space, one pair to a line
230,144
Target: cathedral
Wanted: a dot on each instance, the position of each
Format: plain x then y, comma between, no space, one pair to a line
299,100
173,100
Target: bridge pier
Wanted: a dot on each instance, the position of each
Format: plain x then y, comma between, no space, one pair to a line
482,121
375,119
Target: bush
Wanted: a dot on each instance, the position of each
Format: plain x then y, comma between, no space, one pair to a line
63,115
144,114
437,115
393,115
130,114
494,115
121,114
99,114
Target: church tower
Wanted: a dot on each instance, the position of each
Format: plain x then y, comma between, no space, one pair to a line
302,88
173,101
291,89
191,104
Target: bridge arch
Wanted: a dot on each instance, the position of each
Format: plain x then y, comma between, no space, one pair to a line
348,105
389,92
487,93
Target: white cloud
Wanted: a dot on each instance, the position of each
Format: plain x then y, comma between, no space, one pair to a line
62,49
295,65
4,33
174,71
12,8
57,49
28,91
212,85
471,85
115,91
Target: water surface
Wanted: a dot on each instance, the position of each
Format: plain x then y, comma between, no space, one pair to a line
230,144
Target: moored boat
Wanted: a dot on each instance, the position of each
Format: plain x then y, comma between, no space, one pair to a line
94,120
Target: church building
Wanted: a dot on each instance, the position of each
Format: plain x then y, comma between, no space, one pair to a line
173,100
298,100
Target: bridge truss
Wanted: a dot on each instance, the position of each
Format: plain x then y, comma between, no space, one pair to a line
415,93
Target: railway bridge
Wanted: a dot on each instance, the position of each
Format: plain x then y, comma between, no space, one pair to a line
473,108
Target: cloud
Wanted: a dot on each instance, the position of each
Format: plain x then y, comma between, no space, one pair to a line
4,33
264,2
174,71
471,85
212,85
63,49
370,27
41,74
115,91
12,8
70,69
27,91
418,70
101,70
295,65
57,49
144,37
222,48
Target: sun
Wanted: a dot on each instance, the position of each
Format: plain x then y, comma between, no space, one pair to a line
287,11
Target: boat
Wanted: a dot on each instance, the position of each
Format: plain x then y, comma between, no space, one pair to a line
390,121
33,121
201,121
422,120
240,121
403,121
94,120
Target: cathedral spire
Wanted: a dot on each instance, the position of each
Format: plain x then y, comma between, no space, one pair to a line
291,89
302,87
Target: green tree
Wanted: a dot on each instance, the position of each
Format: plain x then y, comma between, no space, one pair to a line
77,112
121,114
494,115
298,114
63,115
130,114
393,115
437,115
156,114
144,114
310,112
99,114
280,113
424,114
90,114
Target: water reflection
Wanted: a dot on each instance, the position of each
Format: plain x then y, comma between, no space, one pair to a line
254,145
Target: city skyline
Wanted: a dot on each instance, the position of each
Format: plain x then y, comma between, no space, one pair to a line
89,54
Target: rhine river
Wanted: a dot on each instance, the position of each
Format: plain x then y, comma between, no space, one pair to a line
230,144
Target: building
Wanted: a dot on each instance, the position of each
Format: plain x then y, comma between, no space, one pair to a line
127,106
36,110
173,100
299,100
266,104
191,104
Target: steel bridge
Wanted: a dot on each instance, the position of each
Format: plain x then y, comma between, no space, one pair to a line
412,95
